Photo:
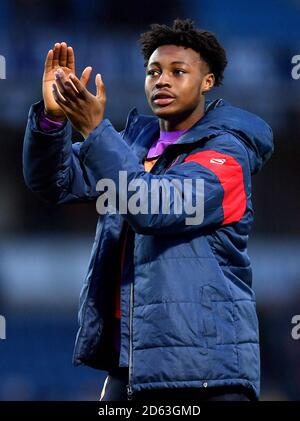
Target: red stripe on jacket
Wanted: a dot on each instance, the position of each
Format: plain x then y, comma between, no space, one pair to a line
231,177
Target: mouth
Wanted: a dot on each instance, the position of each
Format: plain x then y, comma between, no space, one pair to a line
163,98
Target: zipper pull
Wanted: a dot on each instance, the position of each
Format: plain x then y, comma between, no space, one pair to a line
129,392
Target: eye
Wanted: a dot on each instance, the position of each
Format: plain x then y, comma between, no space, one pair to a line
179,72
153,72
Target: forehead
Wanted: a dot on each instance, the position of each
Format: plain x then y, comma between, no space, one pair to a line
168,53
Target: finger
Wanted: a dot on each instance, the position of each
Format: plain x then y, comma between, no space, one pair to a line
49,61
58,97
82,91
65,87
100,87
71,59
59,82
85,76
56,51
64,105
63,54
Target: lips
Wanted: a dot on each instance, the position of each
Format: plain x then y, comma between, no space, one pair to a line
163,98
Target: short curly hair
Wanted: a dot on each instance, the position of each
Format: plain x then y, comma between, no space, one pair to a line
183,33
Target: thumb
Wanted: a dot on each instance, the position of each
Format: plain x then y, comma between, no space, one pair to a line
100,87
85,76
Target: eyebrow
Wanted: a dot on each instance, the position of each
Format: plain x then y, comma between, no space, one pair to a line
157,63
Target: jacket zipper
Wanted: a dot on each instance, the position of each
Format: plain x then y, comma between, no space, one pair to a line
130,363
123,253
129,387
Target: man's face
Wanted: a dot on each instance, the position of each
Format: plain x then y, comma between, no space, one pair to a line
176,78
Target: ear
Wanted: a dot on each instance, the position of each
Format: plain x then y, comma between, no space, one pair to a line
207,83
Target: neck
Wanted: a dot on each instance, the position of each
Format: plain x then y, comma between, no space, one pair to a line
183,122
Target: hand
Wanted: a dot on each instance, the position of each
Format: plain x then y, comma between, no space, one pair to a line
61,56
83,109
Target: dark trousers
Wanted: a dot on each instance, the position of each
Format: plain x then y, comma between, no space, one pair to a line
114,389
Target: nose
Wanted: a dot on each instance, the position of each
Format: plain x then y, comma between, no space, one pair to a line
163,80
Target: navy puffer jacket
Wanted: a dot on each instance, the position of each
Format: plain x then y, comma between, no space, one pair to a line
188,316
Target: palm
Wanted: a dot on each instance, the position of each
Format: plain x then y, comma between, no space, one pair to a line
48,81
61,56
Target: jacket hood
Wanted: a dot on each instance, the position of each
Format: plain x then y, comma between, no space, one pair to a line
253,132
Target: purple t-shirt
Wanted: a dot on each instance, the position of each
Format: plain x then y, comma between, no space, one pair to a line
165,139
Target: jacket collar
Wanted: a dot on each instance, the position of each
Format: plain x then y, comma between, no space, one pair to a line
142,130
253,132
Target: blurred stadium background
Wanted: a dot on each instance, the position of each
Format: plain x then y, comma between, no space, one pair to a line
44,250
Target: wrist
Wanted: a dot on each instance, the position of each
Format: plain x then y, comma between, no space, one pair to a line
85,133
54,117
88,130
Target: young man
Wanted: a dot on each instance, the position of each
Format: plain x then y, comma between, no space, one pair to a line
167,307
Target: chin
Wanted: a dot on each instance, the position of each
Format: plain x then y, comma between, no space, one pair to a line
165,113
